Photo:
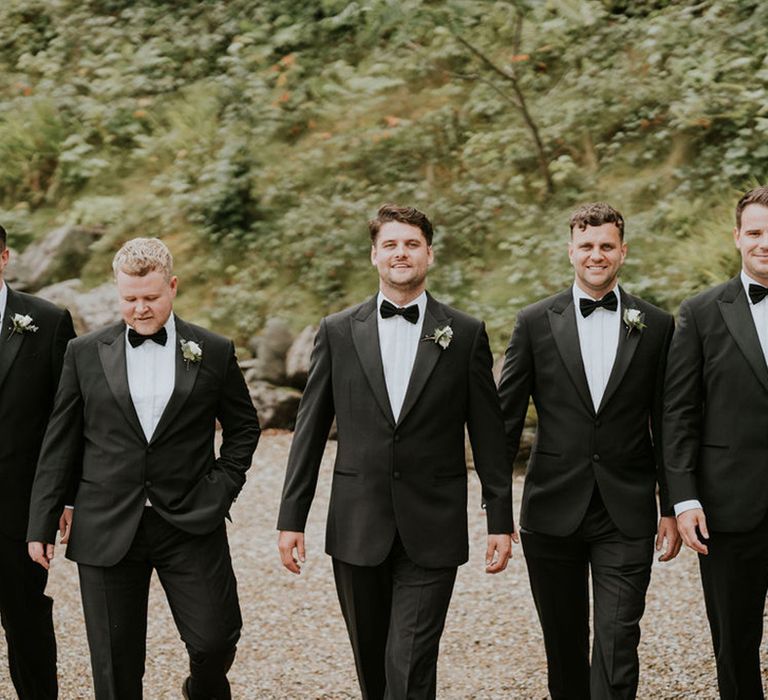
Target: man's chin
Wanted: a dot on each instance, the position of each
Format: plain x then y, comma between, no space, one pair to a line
146,328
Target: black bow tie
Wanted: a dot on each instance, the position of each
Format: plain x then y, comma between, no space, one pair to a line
609,302
757,293
136,339
409,313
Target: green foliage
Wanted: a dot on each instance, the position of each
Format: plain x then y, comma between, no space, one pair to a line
258,138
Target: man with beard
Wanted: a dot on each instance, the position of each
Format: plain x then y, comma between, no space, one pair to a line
592,358
403,375
716,437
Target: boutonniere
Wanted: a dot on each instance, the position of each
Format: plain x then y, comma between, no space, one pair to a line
634,320
441,336
190,351
22,324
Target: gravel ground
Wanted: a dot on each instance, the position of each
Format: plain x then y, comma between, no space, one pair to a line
294,645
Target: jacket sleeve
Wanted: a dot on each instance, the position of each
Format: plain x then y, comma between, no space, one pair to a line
65,331
657,423
239,425
60,456
683,396
516,386
313,423
486,435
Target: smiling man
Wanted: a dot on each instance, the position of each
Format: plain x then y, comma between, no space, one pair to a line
592,358
403,375
716,437
133,425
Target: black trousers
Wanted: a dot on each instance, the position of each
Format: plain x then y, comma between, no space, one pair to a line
558,568
734,576
196,574
395,614
27,619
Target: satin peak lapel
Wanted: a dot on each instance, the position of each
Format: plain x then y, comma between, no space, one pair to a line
112,356
628,342
186,375
562,321
734,308
10,342
427,355
365,336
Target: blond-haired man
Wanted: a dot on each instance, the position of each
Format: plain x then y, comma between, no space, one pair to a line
134,422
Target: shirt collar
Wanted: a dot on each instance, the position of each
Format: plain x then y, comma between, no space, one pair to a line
3,297
170,329
579,293
746,280
420,301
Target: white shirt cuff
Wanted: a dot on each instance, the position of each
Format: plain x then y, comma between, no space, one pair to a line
69,507
686,505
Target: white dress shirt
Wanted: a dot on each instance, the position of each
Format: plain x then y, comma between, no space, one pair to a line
398,343
151,377
759,313
3,302
599,341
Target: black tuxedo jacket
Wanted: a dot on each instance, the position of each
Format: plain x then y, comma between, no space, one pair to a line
94,432
408,476
716,410
30,364
618,445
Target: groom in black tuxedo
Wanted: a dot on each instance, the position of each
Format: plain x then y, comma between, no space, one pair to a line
592,357
716,440
134,423
33,337
402,374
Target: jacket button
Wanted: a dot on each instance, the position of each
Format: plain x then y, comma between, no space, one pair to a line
397,438
596,457
147,484
597,424
396,475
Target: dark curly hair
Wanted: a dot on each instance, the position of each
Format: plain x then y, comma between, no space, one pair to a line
405,215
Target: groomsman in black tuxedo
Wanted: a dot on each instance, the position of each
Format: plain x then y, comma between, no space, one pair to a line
33,337
592,357
402,374
134,423
716,443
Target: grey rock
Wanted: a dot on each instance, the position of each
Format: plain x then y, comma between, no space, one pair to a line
297,359
15,274
269,348
90,309
277,405
59,255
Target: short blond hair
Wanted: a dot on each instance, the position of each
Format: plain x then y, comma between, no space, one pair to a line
140,256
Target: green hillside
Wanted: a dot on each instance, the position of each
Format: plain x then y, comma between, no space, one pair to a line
256,138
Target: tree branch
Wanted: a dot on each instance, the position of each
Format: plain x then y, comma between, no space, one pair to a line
521,104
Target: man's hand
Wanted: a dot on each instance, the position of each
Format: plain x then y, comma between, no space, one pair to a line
499,549
287,542
65,525
41,553
687,523
668,532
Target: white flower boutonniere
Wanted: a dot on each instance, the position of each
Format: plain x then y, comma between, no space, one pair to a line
190,351
442,336
634,320
22,324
